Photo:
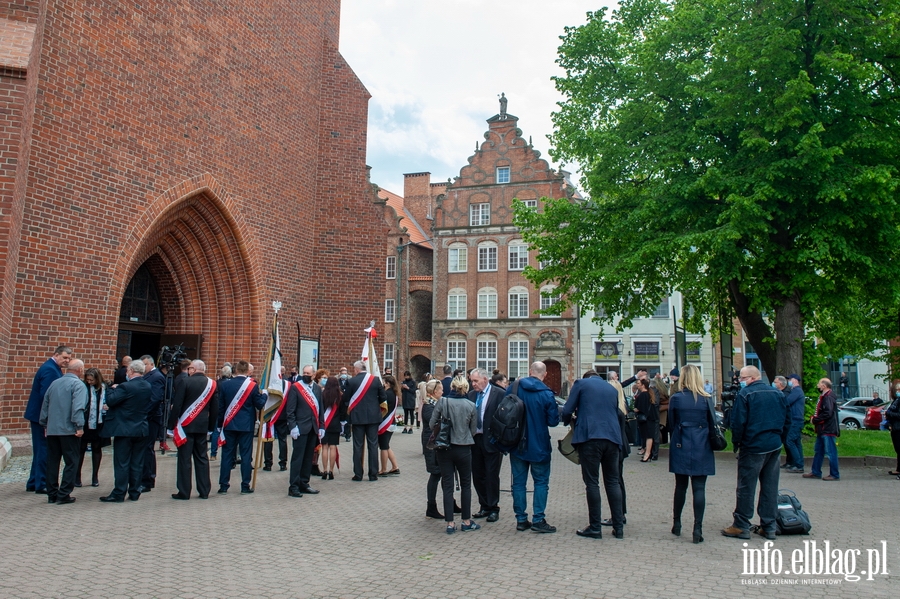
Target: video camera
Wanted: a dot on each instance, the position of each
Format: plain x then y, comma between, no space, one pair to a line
169,357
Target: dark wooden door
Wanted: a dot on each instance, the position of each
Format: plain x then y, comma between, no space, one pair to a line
554,376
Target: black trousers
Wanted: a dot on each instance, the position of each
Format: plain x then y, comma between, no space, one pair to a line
456,459
368,434
194,448
301,461
895,438
68,449
486,475
281,433
233,441
595,455
129,454
148,476
622,481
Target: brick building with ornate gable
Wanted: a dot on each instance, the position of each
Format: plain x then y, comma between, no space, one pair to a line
484,308
167,170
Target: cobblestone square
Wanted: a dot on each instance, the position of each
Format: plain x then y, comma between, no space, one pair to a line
371,539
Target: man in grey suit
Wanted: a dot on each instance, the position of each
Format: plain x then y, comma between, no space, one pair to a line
126,422
62,416
363,399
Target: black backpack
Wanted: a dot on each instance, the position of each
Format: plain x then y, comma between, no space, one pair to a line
507,430
791,519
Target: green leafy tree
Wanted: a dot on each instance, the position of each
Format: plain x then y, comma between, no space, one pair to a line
743,153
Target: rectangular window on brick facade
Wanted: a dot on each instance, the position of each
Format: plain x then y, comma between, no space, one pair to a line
389,356
390,271
530,203
518,305
518,359
502,174
456,306
487,258
456,354
518,256
479,215
546,302
487,355
487,305
457,259
389,310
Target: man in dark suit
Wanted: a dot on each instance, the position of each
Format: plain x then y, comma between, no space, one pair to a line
362,400
49,371
304,421
157,382
126,422
197,388
239,399
486,458
448,378
121,373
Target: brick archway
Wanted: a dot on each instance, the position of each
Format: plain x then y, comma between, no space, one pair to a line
196,246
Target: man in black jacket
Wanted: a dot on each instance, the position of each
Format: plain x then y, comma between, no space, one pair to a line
126,422
486,457
362,400
304,421
157,382
825,420
193,418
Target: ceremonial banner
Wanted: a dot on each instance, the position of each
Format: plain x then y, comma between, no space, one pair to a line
273,383
369,357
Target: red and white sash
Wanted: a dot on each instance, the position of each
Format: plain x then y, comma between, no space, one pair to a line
387,422
329,415
269,427
311,401
235,406
193,411
363,387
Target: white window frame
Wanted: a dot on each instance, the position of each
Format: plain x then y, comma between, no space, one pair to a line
456,305
388,356
517,256
487,354
517,296
479,214
502,175
547,302
457,258
662,310
530,204
390,310
518,358
456,353
487,303
487,258
390,267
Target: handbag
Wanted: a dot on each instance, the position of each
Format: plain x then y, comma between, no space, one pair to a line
567,449
641,417
442,438
717,439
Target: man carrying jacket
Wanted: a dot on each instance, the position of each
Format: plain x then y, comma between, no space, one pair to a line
825,420
757,434
534,453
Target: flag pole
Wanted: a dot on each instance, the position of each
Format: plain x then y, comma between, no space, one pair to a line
265,385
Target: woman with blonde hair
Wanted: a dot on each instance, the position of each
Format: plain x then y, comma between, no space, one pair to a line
459,386
691,457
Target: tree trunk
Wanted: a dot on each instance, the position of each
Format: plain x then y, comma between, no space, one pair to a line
789,338
755,327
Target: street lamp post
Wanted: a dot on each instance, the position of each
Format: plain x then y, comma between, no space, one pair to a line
620,347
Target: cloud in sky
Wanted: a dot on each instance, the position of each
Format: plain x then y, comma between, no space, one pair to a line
435,70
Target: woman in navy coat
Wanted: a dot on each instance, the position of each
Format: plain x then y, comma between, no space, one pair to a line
690,456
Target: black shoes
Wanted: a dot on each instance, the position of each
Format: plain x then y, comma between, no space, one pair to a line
432,511
43,491
493,516
609,522
267,468
143,488
542,526
51,498
65,500
591,533
295,494
222,490
246,491
180,496
134,497
356,478
481,514
524,525
309,491
373,478
111,499
698,535
330,475
282,468
676,528
619,534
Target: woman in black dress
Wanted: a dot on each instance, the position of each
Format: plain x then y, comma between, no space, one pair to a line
647,416
387,427
93,423
331,404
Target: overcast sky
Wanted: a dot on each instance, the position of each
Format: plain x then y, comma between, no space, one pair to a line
435,69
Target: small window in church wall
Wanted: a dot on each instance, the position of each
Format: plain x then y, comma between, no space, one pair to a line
502,174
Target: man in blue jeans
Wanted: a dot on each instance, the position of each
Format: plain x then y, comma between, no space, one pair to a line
826,422
757,434
534,453
793,447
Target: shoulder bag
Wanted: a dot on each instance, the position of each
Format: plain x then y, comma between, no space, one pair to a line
567,449
717,439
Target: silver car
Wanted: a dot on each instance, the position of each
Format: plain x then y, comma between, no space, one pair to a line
852,417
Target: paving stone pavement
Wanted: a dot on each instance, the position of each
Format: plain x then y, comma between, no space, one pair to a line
371,540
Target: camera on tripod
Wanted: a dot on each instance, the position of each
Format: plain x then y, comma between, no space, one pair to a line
169,357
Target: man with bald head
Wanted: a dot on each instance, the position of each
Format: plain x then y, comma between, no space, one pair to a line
760,422
62,416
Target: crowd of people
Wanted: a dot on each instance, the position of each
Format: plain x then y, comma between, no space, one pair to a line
73,412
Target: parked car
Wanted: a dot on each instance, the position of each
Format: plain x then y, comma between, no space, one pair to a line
861,402
874,416
852,418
